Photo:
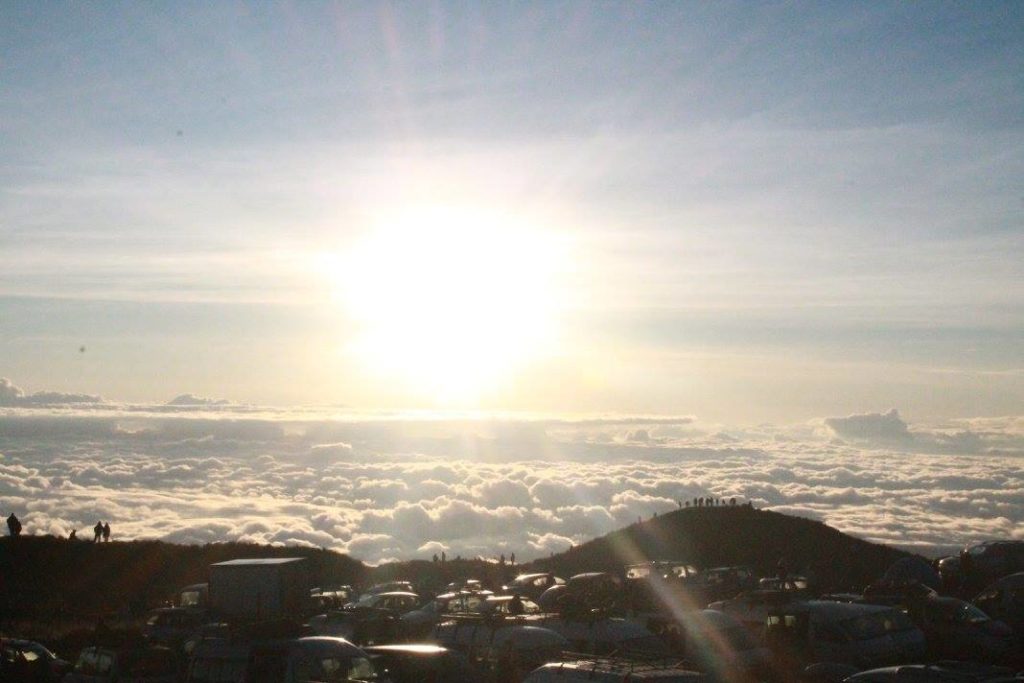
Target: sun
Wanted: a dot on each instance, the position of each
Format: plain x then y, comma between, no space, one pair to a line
451,302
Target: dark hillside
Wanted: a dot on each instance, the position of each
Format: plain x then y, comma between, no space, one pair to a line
47,577
721,536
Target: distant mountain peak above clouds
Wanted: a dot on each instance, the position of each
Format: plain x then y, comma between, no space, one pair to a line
193,400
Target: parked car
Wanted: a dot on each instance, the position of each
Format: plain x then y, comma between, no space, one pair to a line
148,664
374,619
218,661
955,629
532,585
582,593
195,596
386,587
506,646
297,660
606,635
983,563
606,670
506,605
939,672
26,660
1004,600
324,598
396,602
715,643
804,632
722,583
419,622
172,625
418,663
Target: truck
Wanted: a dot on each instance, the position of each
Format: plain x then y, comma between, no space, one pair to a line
259,589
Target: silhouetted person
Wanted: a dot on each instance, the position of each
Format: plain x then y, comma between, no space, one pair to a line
98,530
512,559
732,502
782,569
444,557
14,525
106,531
73,536
515,605
435,558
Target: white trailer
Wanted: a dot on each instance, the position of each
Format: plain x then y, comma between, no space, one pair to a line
259,589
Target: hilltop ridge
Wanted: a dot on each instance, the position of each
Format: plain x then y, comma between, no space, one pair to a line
47,577
734,535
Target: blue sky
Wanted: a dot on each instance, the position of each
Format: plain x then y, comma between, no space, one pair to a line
745,211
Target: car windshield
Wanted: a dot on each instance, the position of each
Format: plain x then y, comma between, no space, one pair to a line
38,650
190,599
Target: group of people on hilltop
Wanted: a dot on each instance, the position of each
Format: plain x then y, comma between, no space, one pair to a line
101,529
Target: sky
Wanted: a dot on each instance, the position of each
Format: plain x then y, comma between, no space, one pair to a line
742,211
394,278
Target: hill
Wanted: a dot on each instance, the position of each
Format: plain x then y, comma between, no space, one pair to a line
722,536
49,578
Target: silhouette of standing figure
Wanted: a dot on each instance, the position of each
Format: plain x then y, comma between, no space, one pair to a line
98,530
14,525
106,531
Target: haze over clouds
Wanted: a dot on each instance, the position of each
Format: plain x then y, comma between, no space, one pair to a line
404,486
751,213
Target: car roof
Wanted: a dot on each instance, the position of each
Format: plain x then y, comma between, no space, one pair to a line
409,648
832,610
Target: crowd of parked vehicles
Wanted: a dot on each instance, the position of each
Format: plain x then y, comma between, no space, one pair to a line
260,621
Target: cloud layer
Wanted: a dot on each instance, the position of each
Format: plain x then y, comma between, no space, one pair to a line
404,486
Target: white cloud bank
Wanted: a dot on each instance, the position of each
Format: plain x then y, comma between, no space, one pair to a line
410,486
11,395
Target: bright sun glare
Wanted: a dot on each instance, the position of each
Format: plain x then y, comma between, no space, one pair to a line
451,302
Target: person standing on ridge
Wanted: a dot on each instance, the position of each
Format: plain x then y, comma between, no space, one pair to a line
98,530
14,525
106,532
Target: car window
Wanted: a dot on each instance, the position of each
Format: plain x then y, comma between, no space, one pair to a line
86,663
865,627
970,614
898,621
830,633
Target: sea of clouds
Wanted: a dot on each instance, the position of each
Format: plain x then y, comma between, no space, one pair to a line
382,486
